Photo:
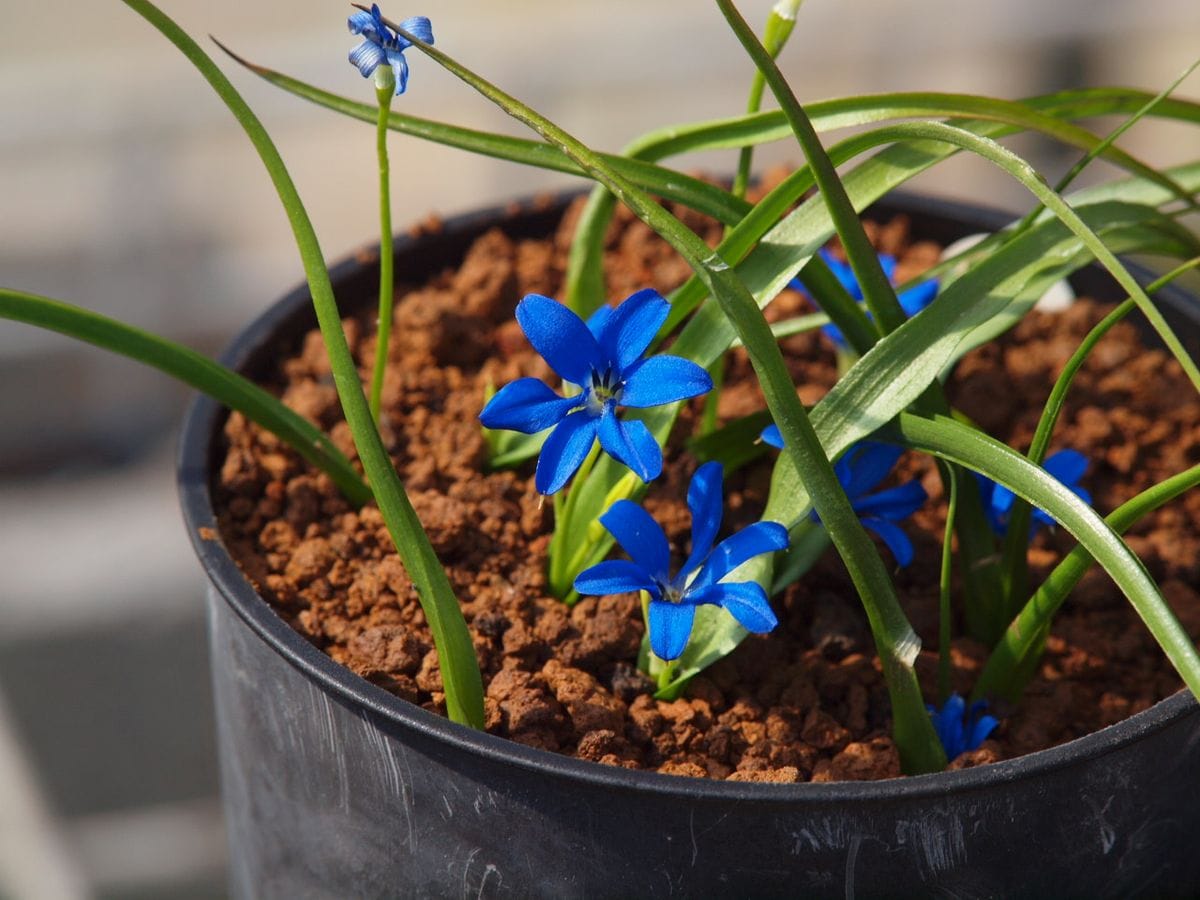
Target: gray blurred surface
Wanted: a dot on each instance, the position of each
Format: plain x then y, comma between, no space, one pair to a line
126,187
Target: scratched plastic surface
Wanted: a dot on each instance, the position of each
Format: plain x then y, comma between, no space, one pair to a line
334,788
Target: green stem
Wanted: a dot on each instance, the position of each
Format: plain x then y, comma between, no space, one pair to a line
780,22
386,287
456,652
859,332
708,419
951,476
877,290
666,674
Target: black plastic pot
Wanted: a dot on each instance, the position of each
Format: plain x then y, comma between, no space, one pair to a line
335,788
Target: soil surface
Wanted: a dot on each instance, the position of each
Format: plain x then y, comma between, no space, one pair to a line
805,703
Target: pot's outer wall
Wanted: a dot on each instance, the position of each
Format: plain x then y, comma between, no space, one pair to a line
334,788
327,800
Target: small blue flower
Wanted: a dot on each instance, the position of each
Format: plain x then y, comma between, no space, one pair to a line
859,471
1068,466
912,301
381,44
604,358
673,601
960,729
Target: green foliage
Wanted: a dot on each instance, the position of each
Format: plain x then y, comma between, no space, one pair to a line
891,386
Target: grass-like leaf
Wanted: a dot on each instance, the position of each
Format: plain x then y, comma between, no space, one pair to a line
692,192
958,443
1014,658
456,653
877,290
196,370
919,748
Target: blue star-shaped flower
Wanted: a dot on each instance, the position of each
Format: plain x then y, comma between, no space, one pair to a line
960,729
1068,466
860,471
912,301
381,44
673,601
604,358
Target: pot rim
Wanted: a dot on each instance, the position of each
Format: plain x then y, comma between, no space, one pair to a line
201,430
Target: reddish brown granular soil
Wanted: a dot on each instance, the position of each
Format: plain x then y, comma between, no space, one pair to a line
806,702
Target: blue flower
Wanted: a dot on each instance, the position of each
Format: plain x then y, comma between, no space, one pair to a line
604,358
1068,466
912,301
960,729
673,601
381,44
859,471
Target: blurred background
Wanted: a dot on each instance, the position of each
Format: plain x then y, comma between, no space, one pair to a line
125,186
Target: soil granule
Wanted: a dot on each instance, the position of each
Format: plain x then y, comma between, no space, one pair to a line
805,703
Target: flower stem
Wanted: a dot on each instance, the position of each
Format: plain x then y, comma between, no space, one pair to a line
451,638
780,22
384,95
951,477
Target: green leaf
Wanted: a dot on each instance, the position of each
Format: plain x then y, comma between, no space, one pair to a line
733,445
1015,656
919,748
193,369
692,192
899,367
968,447
456,652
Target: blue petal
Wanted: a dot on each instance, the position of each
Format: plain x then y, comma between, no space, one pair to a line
631,443
560,337
617,576
597,320
1040,517
1002,501
746,601
399,70
564,451
917,298
987,490
705,502
1045,518
761,537
632,326
361,22
526,405
834,334
895,538
948,723
367,57
419,27
980,729
865,465
640,536
772,435
663,379
842,272
1067,466
893,504
670,626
